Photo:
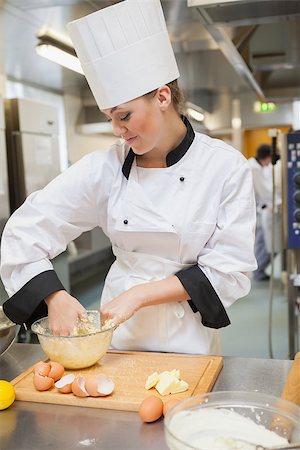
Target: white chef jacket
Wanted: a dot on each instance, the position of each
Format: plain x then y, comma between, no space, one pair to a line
204,234
263,188
267,212
261,182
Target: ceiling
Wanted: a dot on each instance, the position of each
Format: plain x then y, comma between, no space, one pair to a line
215,55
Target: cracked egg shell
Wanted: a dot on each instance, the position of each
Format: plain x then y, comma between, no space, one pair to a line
78,387
42,368
42,383
64,385
56,370
99,385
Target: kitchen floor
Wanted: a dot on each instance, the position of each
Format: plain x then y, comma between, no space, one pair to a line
247,336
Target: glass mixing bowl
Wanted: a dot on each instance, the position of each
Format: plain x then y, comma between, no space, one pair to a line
219,421
78,351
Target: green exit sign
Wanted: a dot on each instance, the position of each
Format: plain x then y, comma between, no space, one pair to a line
263,107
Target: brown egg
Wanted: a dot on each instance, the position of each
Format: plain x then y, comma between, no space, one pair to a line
78,387
151,409
99,385
57,370
42,383
64,385
169,404
42,368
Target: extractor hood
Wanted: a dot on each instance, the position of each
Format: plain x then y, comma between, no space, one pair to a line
231,22
92,121
245,12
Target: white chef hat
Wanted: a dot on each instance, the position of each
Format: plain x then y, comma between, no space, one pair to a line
124,51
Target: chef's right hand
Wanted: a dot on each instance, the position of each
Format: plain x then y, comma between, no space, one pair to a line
63,312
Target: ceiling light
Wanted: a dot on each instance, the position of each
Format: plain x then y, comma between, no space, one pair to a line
236,123
195,115
194,112
58,51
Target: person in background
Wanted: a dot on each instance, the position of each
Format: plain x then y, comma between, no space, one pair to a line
267,212
260,166
178,206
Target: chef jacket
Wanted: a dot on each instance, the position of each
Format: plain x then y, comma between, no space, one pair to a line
196,221
263,189
262,183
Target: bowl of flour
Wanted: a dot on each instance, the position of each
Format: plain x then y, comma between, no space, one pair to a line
231,420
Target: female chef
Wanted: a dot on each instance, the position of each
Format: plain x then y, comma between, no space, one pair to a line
177,206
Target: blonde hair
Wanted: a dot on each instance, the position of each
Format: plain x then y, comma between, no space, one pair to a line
177,96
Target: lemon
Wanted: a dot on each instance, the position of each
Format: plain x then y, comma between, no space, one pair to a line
7,394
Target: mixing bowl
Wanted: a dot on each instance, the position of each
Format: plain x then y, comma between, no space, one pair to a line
8,332
231,420
78,351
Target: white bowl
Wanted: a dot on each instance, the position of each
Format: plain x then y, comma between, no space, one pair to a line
220,420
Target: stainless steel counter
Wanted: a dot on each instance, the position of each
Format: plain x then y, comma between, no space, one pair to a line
38,426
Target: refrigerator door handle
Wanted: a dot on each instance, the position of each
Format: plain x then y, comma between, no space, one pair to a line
17,190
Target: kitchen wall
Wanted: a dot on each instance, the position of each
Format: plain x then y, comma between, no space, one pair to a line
234,114
283,115
221,116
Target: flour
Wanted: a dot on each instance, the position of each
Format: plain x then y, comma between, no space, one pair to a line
219,429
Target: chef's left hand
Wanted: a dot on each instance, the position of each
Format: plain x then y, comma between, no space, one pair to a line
121,308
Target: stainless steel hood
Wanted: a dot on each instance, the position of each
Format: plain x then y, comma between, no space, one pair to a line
245,12
91,120
234,23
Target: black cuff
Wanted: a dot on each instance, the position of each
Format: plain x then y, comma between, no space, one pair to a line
27,305
203,297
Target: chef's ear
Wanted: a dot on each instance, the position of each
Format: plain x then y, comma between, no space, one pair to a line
164,97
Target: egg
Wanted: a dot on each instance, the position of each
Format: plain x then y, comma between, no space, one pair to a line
99,385
64,385
78,387
42,368
56,370
169,404
151,409
42,383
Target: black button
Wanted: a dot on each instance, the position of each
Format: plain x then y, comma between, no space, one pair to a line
125,222
297,179
181,178
297,215
297,197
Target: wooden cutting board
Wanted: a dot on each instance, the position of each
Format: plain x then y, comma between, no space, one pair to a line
129,371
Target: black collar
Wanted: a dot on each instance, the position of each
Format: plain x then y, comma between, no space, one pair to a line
173,157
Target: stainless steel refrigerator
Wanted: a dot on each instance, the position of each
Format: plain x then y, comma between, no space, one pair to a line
4,198
32,147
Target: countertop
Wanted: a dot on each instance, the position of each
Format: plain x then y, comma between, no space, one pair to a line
38,426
